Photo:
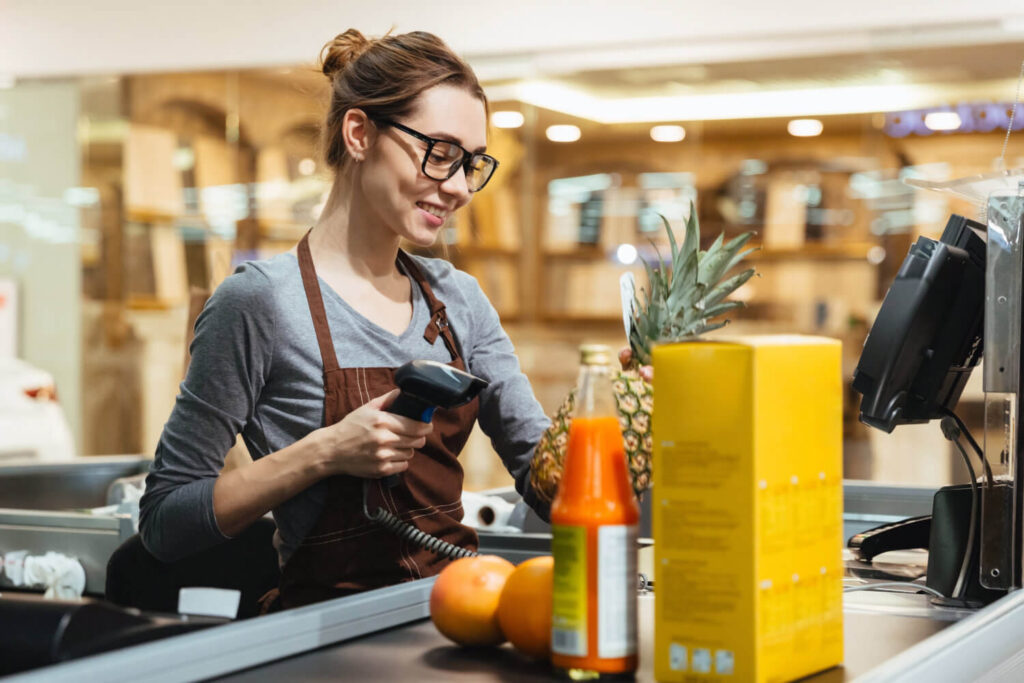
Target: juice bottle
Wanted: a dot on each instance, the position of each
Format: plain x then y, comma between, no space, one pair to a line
594,526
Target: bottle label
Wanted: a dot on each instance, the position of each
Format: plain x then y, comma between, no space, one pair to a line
569,604
616,591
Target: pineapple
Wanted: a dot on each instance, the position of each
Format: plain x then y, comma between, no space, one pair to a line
678,304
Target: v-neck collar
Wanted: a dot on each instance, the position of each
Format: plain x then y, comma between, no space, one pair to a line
418,305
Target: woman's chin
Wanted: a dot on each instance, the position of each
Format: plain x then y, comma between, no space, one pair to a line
424,238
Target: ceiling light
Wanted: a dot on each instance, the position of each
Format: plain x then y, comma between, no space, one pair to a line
183,159
805,128
563,133
507,119
744,104
942,120
876,255
307,167
626,254
668,133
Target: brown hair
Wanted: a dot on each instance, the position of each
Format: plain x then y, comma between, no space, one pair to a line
383,77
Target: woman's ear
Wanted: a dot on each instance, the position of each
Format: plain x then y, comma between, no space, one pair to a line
358,132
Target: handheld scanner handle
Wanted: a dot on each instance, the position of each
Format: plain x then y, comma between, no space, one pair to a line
412,407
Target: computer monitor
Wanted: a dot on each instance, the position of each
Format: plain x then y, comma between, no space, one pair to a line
928,334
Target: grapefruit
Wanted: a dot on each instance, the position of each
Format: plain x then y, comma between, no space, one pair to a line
524,610
464,600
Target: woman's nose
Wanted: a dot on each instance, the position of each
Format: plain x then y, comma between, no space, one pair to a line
457,186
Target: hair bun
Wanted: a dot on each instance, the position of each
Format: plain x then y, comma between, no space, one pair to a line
346,48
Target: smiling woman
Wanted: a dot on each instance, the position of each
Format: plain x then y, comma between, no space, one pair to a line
297,352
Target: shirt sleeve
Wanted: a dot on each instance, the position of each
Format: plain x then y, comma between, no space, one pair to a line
510,414
231,355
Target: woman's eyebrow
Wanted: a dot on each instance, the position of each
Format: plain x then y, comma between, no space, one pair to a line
448,137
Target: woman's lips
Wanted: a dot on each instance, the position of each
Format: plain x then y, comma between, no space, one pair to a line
432,219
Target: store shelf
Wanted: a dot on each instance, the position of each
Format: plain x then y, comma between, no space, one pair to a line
482,251
832,252
149,216
583,253
854,251
582,318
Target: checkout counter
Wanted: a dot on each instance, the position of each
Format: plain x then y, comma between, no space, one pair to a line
385,635
931,338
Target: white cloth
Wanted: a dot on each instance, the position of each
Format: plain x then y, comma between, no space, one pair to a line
63,577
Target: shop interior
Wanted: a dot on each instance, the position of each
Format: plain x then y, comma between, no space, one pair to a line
185,175
138,193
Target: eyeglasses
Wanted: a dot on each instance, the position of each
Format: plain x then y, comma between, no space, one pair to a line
443,159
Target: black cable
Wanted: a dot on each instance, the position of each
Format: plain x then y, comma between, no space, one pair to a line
974,444
410,533
952,431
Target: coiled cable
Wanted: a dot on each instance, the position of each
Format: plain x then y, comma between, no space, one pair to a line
410,533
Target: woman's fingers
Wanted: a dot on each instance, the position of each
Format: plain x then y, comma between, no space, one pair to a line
400,441
384,400
404,426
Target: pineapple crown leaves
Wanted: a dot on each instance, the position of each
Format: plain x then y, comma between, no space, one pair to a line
681,301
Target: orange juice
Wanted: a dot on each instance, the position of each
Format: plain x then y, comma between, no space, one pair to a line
594,524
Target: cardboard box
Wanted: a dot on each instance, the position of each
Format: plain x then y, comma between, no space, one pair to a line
748,509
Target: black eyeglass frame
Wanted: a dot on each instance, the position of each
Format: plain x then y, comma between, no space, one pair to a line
462,163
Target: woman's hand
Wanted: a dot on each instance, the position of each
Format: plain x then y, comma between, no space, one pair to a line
371,443
626,357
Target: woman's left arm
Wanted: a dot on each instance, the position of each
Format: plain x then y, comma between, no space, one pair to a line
509,413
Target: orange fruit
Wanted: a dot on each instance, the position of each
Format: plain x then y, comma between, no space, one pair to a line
464,599
524,610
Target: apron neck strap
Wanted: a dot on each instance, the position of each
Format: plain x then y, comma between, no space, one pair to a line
316,305
438,324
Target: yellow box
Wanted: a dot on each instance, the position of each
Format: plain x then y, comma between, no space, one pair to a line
747,509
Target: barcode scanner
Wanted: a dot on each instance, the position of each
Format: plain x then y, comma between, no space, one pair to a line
425,385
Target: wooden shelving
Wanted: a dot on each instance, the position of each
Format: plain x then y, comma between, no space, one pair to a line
456,251
852,251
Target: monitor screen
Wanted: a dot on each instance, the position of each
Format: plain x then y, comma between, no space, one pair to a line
928,334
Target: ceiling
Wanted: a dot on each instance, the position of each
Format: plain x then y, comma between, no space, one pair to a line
927,65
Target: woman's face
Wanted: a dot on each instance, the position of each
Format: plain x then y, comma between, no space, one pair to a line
406,201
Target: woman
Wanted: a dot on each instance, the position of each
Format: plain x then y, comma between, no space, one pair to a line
297,352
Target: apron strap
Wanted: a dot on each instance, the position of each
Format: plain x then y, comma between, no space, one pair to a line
316,305
438,324
438,319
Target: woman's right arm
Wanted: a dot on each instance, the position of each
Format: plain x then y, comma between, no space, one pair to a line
189,505
368,443
231,356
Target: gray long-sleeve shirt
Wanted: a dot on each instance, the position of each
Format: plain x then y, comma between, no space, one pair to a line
256,370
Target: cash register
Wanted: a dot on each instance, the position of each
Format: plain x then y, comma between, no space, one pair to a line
953,301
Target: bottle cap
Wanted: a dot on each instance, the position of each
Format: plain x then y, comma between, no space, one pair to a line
595,354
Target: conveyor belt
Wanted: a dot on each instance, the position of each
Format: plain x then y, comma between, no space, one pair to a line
385,635
417,652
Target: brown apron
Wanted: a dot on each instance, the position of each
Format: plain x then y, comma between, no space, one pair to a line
345,552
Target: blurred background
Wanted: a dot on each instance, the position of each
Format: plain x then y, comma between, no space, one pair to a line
147,149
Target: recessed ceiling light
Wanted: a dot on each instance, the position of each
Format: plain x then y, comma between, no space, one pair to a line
805,128
668,133
563,133
942,120
507,119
